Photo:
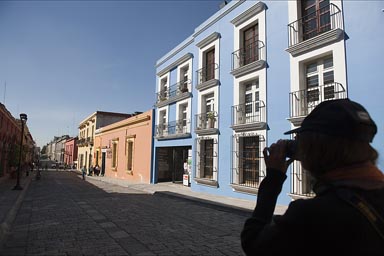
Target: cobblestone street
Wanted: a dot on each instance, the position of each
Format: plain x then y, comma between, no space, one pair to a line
63,215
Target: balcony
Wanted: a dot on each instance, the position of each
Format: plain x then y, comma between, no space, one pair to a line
172,130
207,123
302,102
301,182
81,142
207,76
316,29
249,116
249,59
176,92
89,141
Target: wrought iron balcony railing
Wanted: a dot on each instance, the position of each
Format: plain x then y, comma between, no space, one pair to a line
207,73
208,120
178,127
301,181
249,54
322,20
248,113
173,91
302,102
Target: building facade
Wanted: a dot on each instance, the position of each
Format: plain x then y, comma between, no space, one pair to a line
10,142
317,53
123,150
219,122
86,135
70,152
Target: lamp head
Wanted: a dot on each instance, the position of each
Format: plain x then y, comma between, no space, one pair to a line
23,117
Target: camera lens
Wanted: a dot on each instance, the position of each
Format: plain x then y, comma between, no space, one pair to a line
291,149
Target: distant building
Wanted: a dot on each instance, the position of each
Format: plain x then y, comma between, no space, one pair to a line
86,135
123,149
10,136
70,152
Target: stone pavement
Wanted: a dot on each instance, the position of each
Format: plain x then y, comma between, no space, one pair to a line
186,192
61,214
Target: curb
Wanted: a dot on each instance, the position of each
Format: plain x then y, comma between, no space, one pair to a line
11,215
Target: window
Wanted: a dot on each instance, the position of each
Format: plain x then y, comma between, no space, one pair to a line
182,122
250,44
319,79
206,159
162,122
316,17
249,160
129,155
184,79
251,101
114,153
210,111
164,89
209,65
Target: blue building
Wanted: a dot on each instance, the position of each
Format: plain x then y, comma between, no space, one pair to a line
211,108
247,74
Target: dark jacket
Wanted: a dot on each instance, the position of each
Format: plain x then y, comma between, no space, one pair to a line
325,224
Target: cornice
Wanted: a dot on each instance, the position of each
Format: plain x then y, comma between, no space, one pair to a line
201,29
212,37
181,60
254,10
127,122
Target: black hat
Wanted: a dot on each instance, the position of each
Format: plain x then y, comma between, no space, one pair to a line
341,117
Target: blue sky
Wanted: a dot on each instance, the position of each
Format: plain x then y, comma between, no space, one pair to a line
60,61
63,60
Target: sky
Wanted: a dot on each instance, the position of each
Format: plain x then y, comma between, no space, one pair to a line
60,61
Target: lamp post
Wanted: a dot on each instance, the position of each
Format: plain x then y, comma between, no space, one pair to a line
23,117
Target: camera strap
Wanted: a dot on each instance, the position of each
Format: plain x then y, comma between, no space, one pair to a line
364,207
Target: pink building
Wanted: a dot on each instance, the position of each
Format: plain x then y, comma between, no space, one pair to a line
123,150
70,152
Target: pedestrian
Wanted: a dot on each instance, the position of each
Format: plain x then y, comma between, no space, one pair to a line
90,170
96,170
346,215
83,171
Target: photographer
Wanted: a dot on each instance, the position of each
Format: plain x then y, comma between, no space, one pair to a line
346,217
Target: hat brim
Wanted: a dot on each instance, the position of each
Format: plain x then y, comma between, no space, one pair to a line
297,130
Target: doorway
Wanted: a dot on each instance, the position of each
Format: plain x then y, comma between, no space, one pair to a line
170,163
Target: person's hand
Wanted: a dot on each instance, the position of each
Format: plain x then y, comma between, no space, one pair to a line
275,156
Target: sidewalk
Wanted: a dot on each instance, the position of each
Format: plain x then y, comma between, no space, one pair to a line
10,201
172,189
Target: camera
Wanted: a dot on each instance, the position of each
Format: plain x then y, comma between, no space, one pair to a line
291,149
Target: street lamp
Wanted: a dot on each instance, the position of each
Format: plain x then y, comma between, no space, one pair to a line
23,117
